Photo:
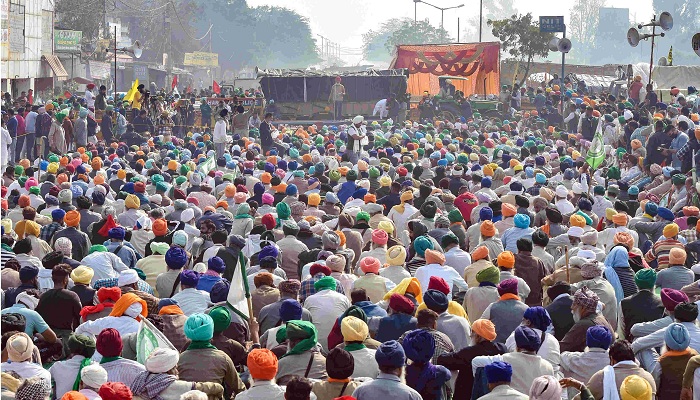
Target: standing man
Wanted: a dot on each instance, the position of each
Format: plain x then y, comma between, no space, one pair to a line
266,133
588,124
205,109
356,133
336,97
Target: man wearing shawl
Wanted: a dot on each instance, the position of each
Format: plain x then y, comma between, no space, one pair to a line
593,280
507,312
604,384
584,308
263,365
125,316
426,378
109,345
325,306
66,373
303,357
644,306
103,263
202,362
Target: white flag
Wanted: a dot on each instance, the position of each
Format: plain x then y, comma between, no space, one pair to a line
239,291
148,339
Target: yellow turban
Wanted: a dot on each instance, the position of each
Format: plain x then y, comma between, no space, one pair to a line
82,274
634,387
610,213
396,256
385,181
577,220
407,285
671,230
132,201
354,329
314,199
121,174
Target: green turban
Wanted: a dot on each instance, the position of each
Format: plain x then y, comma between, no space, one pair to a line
362,215
293,153
222,318
180,180
327,282
283,210
614,173
334,175
19,170
463,158
54,158
199,328
678,179
100,248
589,220
490,274
374,172
161,187
184,169
300,330
645,278
455,216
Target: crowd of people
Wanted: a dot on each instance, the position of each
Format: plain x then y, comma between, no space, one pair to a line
436,260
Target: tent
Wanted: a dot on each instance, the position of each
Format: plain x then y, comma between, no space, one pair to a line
479,62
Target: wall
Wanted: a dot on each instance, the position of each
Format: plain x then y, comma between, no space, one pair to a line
508,69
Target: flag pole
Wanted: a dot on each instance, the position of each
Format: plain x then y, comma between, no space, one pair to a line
242,262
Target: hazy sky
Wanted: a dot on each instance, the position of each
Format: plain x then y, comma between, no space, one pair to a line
344,21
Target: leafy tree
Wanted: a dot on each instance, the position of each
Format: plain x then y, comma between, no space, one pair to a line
521,38
380,45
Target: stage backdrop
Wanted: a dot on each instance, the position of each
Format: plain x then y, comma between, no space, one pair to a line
478,62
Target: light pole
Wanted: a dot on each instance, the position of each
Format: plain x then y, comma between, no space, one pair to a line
442,10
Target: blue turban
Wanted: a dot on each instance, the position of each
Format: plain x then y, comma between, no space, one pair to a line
98,198
189,277
175,257
166,302
527,339
569,174
216,264
219,292
585,204
293,165
538,317
665,213
419,346
291,190
486,182
486,214
58,214
359,193
618,257
529,172
199,327
269,167
390,354
442,162
128,187
516,187
282,164
598,336
677,337
421,244
269,251
633,190
436,300
541,179
117,233
651,208
521,221
498,371
290,309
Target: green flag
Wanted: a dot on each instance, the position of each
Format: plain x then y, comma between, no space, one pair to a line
208,165
596,153
148,339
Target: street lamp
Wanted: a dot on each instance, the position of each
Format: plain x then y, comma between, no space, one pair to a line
442,10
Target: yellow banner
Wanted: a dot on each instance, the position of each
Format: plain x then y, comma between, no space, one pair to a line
202,59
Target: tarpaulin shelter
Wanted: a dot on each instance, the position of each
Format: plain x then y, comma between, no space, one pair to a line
478,62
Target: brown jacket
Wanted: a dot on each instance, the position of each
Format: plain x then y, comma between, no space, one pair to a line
532,270
595,384
575,339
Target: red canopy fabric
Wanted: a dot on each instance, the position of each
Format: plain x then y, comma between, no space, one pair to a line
477,61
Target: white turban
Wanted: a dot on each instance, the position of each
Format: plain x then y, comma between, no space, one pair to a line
28,300
93,376
134,310
19,347
577,188
187,215
162,360
562,191
587,254
575,231
128,277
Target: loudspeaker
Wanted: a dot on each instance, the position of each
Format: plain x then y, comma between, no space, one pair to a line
633,37
554,44
564,45
666,21
136,49
663,62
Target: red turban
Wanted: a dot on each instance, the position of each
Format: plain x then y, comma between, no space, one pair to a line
400,303
109,343
438,284
115,391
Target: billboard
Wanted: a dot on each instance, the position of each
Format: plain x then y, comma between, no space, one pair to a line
67,41
202,59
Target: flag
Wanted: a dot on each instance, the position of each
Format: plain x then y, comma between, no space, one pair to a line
596,153
174,84
148,339
207,165
189,89
67,94
132,92
216,88
239,292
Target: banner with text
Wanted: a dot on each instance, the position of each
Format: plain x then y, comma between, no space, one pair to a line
202,59
67,41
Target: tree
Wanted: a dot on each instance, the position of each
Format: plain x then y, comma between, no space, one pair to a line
380,45
521,38
583,25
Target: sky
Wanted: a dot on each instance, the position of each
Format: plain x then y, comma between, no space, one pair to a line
344,21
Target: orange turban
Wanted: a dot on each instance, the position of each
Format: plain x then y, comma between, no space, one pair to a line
262,364
506,259
488,229
691,211
484,328
434,257
160,227
480,253
72,218
508,210
577,220
266,178
230,190
625,239
314,199
620,219
370,198
125,302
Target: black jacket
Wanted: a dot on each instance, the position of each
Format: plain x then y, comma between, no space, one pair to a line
462,362
560,313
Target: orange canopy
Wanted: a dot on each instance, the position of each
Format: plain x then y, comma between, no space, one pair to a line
426,62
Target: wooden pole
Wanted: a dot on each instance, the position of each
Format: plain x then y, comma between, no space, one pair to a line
566,257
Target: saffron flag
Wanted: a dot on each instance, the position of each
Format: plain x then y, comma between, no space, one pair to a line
174,84
148,339
132,92
239,292
216,88
596,153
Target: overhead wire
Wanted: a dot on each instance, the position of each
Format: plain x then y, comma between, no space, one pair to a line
184,28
